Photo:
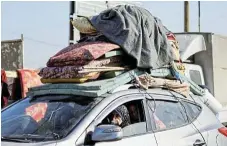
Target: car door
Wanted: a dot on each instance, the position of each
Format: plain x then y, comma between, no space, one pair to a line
136,133
208,124
172,126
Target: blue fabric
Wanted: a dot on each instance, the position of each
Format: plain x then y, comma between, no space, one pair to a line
140,34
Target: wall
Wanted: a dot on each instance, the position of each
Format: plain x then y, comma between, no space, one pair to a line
205,59
12,55
214,64
220,67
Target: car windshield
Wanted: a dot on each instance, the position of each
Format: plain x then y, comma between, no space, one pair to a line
45,117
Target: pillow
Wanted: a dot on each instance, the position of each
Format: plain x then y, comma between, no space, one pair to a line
83,25
81,53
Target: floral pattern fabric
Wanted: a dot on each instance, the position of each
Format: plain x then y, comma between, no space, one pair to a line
80,53
28,78
37,111
67,72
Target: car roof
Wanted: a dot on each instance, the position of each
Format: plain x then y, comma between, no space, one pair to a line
116,93
159,93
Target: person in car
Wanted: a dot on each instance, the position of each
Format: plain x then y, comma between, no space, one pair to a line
120,116
134,115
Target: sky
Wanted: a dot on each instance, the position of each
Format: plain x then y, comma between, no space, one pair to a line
45,25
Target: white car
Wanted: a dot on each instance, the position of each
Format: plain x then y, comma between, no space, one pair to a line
222,116
160,118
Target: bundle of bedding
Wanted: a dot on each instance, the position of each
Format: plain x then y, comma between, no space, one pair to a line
83,61
152,46
112,42
80,53
74,71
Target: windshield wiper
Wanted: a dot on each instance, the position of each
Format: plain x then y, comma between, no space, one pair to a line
56,136
14,139
27,138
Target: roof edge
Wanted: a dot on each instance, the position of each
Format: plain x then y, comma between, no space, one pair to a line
12,41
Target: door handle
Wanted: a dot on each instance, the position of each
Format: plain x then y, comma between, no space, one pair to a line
199,143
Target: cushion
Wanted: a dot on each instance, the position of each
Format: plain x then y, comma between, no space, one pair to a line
83,25
81,53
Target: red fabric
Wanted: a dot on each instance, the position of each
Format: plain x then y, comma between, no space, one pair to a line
4,80
3,76
37,111
171,36
159,123
80,54
28,79
5,101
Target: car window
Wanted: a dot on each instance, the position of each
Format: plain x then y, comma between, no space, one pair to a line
225,124
167,114
193,110
46,117
129,116
195,76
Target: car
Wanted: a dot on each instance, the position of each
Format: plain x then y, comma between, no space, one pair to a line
222,116
131,116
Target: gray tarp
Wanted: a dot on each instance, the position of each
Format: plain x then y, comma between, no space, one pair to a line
140,34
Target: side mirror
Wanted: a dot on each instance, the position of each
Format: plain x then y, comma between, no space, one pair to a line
107,133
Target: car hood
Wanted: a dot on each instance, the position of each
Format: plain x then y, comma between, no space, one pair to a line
4,143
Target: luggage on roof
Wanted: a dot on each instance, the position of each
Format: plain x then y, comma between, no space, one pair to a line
100,87
116,59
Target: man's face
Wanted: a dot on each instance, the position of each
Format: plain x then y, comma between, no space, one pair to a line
132,111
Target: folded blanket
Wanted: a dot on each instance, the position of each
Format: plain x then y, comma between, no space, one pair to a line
80,54
147,81
72,80
90,76
28,79
72,71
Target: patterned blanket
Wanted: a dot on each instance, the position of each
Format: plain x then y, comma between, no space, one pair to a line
28,79
80,54
67,72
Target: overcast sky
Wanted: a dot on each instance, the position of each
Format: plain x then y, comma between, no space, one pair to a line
45,24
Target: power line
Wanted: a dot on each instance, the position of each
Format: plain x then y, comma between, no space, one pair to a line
38,41
43,42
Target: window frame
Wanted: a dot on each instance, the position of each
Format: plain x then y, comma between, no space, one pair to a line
154,129
193,73
195,104
119,101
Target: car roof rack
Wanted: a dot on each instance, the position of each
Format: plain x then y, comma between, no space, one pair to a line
100,87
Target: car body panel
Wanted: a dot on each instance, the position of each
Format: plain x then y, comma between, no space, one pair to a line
207,123
222,116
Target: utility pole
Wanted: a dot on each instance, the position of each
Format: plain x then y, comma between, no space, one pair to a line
199,15
107,5
22,45
71,12
186,16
